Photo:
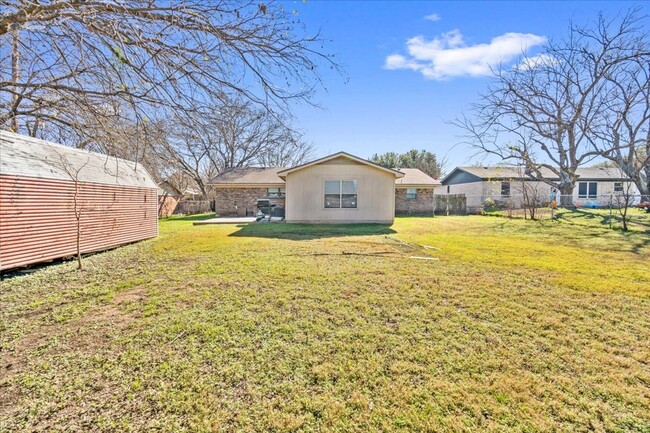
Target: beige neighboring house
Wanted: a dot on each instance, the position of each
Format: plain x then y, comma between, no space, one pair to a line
595,186
339,188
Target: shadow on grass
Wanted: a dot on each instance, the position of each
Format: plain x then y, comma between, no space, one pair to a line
578,214
300,232
581,216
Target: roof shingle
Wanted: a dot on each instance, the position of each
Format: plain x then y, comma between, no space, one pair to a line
586,173
249,176
414,176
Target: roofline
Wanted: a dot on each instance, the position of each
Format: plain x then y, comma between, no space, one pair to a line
398,174
416,185
135,165
247,185
442,181
231,169
526,177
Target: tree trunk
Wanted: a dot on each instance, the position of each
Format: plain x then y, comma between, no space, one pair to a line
15,74
566,195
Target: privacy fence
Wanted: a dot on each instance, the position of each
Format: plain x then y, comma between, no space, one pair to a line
450,204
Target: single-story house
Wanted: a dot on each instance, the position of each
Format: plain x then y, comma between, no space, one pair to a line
338,188
595,185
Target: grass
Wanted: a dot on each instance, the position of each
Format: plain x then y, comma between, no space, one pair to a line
637,219
519,326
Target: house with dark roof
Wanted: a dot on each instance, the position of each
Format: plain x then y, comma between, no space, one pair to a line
595,186
338,188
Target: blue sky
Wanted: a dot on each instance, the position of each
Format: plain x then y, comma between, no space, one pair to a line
375,109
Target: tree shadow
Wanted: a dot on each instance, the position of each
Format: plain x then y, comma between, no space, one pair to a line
303,232
586,217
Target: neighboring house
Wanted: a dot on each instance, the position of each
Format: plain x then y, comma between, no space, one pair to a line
46,188
169,196
595,186
326,190
414,192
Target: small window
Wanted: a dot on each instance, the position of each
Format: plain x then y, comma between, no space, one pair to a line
618,186
587,190
275,192
411,193
448,188
340,194
505,189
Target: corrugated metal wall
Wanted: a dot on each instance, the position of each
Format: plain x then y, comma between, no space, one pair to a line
37,218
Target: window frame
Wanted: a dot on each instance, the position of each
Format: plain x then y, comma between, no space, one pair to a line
411,193
505,183
281,193
341,194
618,187
588,194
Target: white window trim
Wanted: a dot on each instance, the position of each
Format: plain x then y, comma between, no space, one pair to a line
415,194
281,193
587,195
340,195
509,188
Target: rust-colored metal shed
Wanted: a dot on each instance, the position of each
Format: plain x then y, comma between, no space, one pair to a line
46,189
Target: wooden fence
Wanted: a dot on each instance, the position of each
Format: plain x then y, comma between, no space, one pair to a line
191,207
449,204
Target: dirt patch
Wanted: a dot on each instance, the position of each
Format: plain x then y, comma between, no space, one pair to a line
88,333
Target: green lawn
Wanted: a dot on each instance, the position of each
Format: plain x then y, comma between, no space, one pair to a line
518,326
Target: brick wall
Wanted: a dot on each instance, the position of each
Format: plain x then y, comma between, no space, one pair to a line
241,201
421,205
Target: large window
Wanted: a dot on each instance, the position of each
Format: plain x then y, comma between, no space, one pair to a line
587,190
341,194
275,192
505,189
411,193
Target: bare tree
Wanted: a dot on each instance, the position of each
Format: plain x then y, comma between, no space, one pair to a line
78,206
541,112
290,151
621,133
622,201
77,65
232,135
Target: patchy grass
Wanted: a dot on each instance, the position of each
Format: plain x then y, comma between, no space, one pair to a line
637,219
519,326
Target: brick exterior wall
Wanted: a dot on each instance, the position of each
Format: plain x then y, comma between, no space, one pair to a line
421,205
241,201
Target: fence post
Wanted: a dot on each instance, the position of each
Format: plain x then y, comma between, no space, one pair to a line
610,212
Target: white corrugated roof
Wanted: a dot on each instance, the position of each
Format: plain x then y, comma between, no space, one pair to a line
21,155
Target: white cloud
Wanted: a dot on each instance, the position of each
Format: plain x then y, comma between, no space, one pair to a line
432,17
537,61
449,56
